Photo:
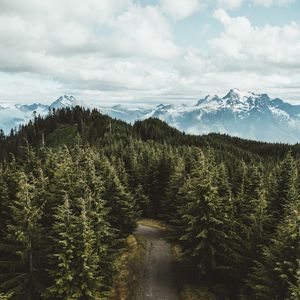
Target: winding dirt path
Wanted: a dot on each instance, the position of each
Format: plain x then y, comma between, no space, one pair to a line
157,281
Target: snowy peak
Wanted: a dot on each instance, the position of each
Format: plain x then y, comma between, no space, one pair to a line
209,99
244,114
237,95
237,101
165,107
65,101
13,116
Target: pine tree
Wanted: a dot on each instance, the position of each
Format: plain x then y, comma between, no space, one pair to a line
171,198
294,289
257,209
22,243
276,272
251,225
104,233
201,223
4,203
62,256
224,191
88,280
239,182
142,201
286,184
121,206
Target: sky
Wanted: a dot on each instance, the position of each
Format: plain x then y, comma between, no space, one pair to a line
148,51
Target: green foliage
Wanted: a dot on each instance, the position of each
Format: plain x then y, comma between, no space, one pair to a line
63,270
201,232
64,134
22,242
277,270
286,184
294,290
66,207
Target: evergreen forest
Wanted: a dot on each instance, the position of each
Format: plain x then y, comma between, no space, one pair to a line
74,184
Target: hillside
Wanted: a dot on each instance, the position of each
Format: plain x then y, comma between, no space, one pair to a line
60,128
74,184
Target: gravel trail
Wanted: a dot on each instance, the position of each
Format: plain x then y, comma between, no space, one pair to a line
157,281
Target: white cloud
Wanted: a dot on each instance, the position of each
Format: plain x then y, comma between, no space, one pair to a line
267,46
231,4
143,31
59,39
269,3
180,9
117,50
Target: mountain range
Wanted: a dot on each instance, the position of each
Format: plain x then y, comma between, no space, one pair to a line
244,114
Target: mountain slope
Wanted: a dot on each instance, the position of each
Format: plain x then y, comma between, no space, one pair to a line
247,115
13,116
62,128
243,114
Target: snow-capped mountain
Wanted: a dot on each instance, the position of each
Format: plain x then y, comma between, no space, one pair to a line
13,116
66,101
243,114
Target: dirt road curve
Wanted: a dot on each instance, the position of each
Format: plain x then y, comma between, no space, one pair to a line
157,281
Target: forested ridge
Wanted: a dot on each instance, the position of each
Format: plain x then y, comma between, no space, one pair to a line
73,184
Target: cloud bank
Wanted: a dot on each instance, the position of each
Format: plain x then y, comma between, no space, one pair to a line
123,50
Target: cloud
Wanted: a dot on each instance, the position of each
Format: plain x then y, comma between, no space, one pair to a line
266,47
180,9
143,31
231,4
235,4
269,3
119,50
82,39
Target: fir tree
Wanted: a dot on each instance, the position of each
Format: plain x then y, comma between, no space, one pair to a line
62,256
4,203
22,244
276,272
201,224
122,207
294,289
172,200
286,184
104,233
142,201
87,279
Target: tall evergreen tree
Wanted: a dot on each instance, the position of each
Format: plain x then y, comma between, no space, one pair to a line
22,244
276,272
121,205
172,200
62,255
286,185
88,279
201,223
142,201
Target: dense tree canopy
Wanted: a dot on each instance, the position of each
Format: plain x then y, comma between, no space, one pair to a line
67,204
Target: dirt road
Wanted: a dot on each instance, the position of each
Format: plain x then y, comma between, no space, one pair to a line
157,280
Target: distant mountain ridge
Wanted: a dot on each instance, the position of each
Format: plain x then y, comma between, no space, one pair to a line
13,116
244,114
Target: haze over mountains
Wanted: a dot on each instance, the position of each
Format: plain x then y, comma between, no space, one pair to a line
243,114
